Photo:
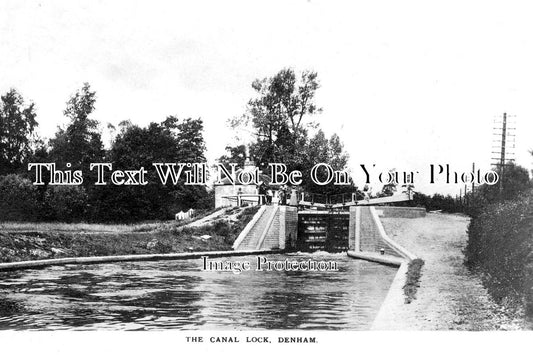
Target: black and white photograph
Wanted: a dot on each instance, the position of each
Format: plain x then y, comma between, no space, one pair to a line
236,176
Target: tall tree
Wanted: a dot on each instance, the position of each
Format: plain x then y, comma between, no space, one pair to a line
320,149
234,154
279,119
191,140
338,157
277,115
283,101
80,143
17,125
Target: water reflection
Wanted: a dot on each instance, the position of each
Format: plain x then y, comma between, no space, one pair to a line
179,294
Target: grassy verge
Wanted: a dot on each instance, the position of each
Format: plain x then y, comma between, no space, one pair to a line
148,227
19,244
414,272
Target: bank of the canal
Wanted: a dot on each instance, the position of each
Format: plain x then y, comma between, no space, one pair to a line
450,297
42,241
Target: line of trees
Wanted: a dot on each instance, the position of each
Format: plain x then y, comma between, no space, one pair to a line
279,118
515,181
78,144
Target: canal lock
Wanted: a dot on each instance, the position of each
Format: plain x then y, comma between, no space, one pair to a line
323,231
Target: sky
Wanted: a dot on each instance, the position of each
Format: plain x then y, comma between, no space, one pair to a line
405,84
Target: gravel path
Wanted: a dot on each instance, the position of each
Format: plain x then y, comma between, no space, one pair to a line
450,296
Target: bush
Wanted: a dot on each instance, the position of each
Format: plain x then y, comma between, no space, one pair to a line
18,199
65,203
412,282
499,242
529,287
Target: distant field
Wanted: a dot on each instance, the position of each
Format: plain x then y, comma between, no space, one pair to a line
145,226
79,227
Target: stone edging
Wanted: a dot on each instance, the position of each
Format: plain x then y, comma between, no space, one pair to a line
397,247
33,264
395,297
377,258
248,227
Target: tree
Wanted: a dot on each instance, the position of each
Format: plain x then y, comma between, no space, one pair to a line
337,156
134,147
320,149
65,203
389,188
277,115
17,125
283,101
191,140
18,199
80,143
236,154
278,118
515,180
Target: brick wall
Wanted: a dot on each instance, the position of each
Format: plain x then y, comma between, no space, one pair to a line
370,239
351,228
282,232
271,240
288,227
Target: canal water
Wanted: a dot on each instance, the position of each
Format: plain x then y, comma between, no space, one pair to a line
181,295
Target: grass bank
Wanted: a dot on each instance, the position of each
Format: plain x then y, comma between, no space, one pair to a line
412,282
35,241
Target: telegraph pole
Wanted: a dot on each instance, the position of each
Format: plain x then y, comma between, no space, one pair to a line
473,174
467,198
502,144
502,151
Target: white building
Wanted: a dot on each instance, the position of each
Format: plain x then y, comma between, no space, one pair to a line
229,194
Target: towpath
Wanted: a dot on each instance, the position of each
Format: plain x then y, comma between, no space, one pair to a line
450,297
